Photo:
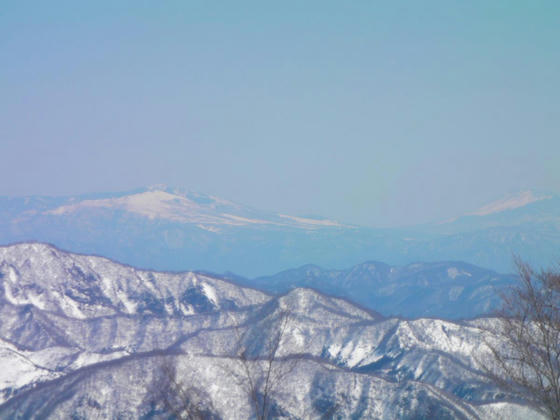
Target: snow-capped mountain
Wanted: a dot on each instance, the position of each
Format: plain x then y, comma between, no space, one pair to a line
514,210
164,228
85,337
100,289
161,203
513,201
171,229
450,290
205,211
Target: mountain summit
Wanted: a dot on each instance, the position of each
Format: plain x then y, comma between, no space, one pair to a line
176,205
510,202
526,208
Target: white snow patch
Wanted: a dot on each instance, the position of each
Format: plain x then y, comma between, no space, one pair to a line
17,370
12,275
210,293
23,300
508,411
313,222
187,310
245,220
129,305
453,272
9,295
455,292
359,353
70,307
334,350
298,337
209,228
88,358
50,357
509,203
37,301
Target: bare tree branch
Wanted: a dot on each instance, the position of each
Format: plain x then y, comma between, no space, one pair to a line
524,342
263,371
182,401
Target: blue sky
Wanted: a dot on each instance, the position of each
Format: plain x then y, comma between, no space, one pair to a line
377,113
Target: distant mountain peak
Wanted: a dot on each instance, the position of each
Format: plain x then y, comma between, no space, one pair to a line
183,206
151,203
510,202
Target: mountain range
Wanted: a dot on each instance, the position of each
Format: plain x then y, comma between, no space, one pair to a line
449,290
172,229
85,337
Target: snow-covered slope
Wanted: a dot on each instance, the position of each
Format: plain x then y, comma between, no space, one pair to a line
176,205
511,202
512,210
102,288
85,337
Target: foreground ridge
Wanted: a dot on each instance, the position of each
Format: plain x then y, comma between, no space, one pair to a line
85,336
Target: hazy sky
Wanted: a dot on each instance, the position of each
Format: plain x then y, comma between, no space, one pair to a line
369,112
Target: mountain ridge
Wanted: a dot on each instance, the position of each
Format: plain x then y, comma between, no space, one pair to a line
80,362
168,232
445,289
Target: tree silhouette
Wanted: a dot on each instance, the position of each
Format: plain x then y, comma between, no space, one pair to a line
525,340
177,399
263,372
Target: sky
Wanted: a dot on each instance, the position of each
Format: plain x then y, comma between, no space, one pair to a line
380,113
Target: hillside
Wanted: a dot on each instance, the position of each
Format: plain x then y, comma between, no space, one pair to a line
82,336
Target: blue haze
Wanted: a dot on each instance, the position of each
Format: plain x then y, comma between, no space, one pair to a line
374,113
